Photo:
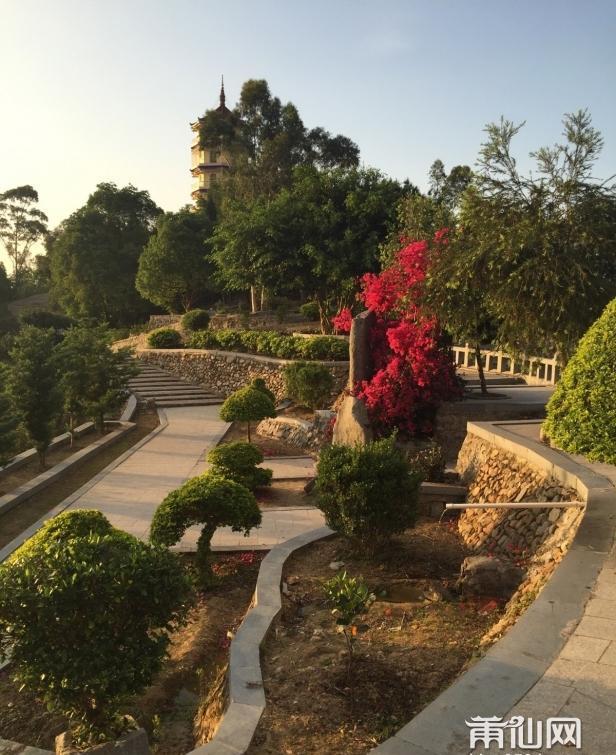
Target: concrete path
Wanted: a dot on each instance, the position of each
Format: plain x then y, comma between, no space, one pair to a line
129,494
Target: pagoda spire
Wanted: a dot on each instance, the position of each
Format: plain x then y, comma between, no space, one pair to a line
222,92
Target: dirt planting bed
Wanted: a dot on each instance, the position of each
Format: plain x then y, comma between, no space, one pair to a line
414,640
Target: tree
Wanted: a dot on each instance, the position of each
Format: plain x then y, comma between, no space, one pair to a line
455,292
95,256
212,501
8,421
93,377
547,242
104,604
22,224
174,271
247,405
33,383
317,236
581,414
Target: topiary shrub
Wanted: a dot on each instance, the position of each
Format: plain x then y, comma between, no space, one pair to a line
238,462
260,385
212,501
85,611
367,492
165,338
308,384
581,414
196,319
247,405
310,310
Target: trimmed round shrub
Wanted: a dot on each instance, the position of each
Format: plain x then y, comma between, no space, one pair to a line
310,310
581,414
238,462
367,493
85,611
308,384
212,501
260,385
196,319
165,338
249,404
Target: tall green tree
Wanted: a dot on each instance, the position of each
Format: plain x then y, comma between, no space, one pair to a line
545,243
95,255
33,384
8,421
174,271
22,224
93,377
317,236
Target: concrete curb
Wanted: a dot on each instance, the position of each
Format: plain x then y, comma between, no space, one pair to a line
16,542
244,679
55,473
24,457
496,683
14,748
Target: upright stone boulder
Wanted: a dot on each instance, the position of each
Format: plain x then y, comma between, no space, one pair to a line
353,424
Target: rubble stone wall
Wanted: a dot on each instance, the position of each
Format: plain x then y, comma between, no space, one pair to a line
535,539
227,371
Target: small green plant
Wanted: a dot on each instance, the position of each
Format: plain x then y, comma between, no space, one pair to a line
165,338
428,460
247,405
367,493
581,415
260,385
196,319
308,384
349,597
8,422
212,501
310,310
238,462
103,603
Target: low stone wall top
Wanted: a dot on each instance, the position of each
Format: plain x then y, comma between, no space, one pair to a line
226,371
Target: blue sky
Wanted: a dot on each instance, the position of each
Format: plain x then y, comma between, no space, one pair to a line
99,90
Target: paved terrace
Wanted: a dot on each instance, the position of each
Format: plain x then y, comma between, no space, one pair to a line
129,493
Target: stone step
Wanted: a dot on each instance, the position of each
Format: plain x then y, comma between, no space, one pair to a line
167,384
172,389
177,394
168,402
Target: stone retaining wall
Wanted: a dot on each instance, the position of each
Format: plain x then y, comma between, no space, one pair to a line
163,321
309,436
226,371
536,539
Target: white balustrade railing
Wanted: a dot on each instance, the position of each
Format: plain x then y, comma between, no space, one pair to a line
534,370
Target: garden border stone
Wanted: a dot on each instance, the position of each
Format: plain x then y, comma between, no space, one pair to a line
244,679
496,683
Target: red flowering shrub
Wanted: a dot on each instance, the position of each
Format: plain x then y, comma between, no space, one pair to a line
414,372
342,321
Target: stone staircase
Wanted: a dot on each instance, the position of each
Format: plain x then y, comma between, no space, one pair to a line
167,390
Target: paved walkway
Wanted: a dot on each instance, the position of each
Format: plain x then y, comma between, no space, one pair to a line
129,494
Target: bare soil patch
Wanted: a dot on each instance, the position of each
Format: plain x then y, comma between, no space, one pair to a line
170,708
23,515
414,640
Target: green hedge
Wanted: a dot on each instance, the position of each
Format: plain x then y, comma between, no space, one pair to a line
581,415
196,319
308,384
165,338
273,344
